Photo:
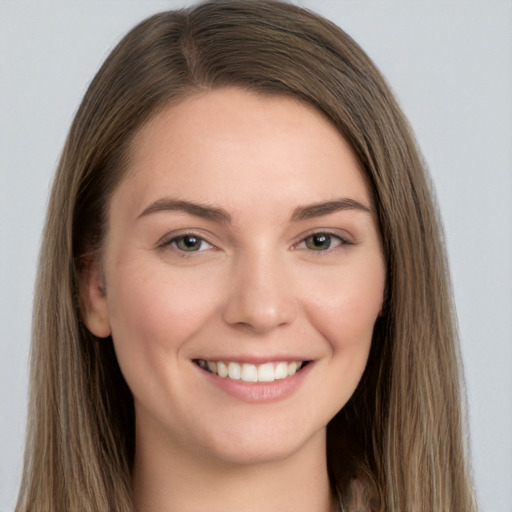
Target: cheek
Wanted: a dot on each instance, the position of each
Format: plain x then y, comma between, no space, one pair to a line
153,311
344,310
344,307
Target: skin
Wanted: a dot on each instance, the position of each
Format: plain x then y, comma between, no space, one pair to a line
257,287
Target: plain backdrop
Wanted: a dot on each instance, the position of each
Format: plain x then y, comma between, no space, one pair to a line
450,64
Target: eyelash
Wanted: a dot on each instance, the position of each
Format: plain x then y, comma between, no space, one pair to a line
326,235
303,243
174,241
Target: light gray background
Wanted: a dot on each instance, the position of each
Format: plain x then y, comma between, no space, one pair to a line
450,64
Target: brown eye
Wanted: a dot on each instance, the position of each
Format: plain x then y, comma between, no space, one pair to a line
322,241
190,243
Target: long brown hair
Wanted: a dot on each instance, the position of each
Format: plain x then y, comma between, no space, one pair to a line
402,433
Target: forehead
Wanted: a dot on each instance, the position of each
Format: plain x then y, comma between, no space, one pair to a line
235,146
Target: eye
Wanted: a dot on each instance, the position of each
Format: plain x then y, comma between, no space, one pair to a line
190,243
322,241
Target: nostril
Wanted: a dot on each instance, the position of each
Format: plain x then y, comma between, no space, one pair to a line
259,316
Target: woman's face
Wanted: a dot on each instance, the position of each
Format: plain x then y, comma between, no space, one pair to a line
242,242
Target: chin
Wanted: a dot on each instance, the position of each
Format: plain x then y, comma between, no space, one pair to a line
263,444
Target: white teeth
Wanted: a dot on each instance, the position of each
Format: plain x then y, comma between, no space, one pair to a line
292,368
266,372
281,371
222,370
249,373
246,372
234,371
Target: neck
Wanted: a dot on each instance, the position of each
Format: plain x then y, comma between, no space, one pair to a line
166,479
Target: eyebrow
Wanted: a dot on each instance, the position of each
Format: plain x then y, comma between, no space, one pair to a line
204,211
325,208
217,214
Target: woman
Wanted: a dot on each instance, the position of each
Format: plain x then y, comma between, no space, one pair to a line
242,299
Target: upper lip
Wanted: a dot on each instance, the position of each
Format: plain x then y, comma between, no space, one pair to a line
254,359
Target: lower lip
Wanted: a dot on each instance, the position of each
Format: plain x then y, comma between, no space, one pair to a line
259,392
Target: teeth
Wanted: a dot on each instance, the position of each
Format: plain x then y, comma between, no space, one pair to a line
246,372
234,371
292,368
222,369
266,372
249,373
281,371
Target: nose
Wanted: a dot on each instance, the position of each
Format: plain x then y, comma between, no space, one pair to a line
261,297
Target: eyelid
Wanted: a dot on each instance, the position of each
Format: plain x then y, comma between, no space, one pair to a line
343,238
169,240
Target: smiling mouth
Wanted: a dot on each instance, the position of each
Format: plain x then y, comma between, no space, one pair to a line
247,372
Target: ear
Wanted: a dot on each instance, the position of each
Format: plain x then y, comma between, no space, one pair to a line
93,299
